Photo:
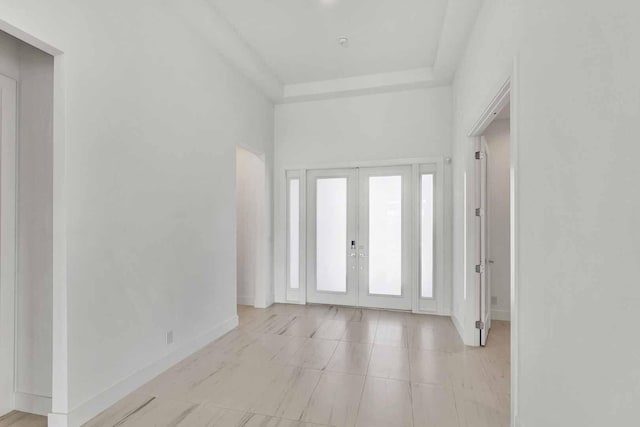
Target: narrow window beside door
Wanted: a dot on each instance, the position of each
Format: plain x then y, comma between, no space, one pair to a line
294,234
426,236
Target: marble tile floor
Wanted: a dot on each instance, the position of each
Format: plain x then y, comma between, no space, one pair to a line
325,366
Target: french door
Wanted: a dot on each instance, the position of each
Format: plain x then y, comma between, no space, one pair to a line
359,240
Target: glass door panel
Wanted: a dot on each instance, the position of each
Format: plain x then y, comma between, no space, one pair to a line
426,235
385,235
331,255
385,239
331,229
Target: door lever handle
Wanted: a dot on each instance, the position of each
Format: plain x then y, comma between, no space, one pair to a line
353,255
363,256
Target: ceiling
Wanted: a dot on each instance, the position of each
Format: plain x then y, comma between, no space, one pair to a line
297,40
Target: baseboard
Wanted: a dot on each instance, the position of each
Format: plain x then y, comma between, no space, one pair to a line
109,397
501,315
246,301
32,404
458,326
57,420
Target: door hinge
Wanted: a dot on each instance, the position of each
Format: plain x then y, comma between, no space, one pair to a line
479,268
480,325
479,212
479,155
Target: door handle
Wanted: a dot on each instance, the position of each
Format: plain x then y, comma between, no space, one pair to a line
363,256
353,255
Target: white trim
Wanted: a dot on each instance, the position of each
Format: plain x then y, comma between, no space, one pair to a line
28,38
60,349
365,163
94,406
33,404
515,254
499,101
362,85
8,227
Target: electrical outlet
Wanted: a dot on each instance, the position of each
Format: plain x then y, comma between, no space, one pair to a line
169,337
494,300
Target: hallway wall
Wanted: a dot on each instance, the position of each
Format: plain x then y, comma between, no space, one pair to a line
153,117
399,125
577,109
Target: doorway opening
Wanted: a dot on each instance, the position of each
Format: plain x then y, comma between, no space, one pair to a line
26,227
495,238
493,217
251,226
494,223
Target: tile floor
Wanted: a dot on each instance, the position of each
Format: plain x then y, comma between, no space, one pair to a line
313,366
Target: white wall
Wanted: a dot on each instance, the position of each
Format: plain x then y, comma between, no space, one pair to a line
398,125
33,70
250,190
153,118
497,137
577,110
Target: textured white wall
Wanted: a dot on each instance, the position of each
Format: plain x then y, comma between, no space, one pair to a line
398,125
153,118
577,113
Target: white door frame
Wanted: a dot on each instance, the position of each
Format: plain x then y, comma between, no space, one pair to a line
507,92
8,146
60,368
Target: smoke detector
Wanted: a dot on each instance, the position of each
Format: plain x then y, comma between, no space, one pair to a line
343,41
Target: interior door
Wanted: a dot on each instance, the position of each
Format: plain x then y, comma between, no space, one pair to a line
332,260
384,234
8,120
485,285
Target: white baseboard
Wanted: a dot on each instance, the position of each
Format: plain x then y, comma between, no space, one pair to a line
107,398
246,300
57,420
32,404
458,326
501,315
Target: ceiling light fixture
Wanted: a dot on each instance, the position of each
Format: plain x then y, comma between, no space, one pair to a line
343,41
